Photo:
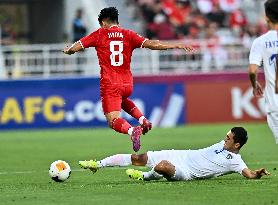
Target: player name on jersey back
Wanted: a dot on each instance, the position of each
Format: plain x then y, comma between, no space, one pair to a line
271,44
115,35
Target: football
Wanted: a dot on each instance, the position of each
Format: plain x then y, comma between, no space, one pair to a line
59,171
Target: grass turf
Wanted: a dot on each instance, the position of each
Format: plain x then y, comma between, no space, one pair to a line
25,157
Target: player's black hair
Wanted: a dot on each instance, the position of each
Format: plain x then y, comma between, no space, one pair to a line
271,10
109,14
240,135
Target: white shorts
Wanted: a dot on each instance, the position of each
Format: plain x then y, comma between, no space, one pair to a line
176,157
272,120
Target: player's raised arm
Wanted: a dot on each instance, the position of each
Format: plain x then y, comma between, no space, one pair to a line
73,48
256,174
160,45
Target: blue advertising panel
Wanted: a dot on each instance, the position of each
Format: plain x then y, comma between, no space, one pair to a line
162,103
76,103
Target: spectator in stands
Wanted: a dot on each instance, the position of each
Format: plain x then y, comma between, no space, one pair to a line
8,36
193,32
79,31
161,28
199,20
194,21
205,6
78,26
150,9
213,53
192,39
237,22
250,35
217,15
229,5
177,11
262,26
226,13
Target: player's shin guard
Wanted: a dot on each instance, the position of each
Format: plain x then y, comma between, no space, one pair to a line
129,107
120,125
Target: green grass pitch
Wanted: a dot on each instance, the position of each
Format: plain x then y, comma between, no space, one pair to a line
25,157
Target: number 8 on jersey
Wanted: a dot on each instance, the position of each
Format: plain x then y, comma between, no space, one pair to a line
115,53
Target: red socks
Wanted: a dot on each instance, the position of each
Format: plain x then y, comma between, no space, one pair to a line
120,125
129,107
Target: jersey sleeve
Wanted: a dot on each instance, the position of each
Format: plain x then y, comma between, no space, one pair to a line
90,40
238,165
136,40
256,53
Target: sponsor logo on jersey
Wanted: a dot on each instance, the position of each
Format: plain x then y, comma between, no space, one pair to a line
229,156
272,59
219,151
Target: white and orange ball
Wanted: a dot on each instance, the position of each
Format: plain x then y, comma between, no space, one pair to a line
59,171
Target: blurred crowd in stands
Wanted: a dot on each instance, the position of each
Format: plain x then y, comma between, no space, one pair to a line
197,19
221,30
180,19
8,35
207,25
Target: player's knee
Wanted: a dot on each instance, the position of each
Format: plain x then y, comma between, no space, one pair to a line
139,159
110,123
161,166
112,117
165,168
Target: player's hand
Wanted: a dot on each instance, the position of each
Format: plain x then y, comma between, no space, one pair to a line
258,91
262,172
188,49
68,51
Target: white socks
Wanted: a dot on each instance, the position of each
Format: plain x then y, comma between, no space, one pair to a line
141,119
130,130
121,160
152,175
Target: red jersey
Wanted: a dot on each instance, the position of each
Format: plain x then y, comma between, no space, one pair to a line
114,48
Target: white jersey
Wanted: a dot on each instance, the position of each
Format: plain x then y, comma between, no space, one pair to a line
264,50
208,162
213,161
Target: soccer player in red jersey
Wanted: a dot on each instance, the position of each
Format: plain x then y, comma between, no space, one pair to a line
114,46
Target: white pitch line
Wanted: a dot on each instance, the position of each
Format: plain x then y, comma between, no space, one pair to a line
81,170
29,172
32,172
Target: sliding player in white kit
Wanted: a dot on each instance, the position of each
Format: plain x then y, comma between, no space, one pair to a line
178,165
264,50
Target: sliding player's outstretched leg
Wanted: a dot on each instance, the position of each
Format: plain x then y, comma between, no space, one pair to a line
91,164
122,160
135,174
